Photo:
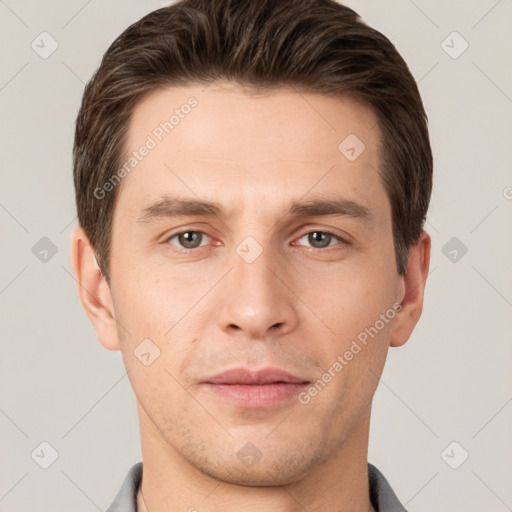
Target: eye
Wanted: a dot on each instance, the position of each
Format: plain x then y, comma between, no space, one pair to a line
188,239
321,239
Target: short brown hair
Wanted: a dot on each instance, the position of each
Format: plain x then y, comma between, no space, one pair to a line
311,45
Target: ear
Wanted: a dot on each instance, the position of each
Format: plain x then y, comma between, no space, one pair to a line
412,289
93,290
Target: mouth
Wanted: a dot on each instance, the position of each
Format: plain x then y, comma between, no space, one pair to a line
255,389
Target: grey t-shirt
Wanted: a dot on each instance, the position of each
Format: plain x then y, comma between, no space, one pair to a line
382,496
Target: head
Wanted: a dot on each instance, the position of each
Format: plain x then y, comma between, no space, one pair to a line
252,179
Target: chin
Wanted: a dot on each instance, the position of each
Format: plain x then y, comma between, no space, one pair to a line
247,477
276,470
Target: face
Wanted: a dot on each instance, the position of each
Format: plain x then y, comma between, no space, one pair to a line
251,236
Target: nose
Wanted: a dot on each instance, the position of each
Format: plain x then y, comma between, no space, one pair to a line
256,301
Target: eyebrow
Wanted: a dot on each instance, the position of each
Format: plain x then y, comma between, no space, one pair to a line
168,206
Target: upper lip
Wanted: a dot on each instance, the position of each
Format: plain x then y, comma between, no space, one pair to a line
246,376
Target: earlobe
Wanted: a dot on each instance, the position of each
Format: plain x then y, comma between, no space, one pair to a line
412,291
93,290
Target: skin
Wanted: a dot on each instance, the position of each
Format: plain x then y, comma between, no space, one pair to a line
298,306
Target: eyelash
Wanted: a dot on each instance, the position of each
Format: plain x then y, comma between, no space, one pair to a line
324,231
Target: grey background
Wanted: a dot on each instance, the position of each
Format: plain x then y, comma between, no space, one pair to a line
450,382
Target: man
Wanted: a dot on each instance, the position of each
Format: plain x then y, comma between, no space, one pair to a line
252,179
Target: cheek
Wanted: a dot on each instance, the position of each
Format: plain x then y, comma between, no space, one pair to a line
348,298
158,323
357,305
153,302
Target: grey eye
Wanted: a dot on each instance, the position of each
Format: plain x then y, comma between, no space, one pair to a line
188,239
323,239
320,239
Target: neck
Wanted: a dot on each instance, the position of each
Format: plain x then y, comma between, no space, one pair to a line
172,484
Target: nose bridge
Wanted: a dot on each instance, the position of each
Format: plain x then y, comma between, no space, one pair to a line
252,265
254,299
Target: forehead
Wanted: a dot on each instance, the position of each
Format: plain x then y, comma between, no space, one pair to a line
212,139
309,123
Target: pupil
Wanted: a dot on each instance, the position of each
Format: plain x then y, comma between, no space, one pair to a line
189,238
317,236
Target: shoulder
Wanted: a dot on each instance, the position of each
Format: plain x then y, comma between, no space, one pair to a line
126,499
381,494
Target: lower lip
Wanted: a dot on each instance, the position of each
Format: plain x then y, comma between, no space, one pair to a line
257,396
